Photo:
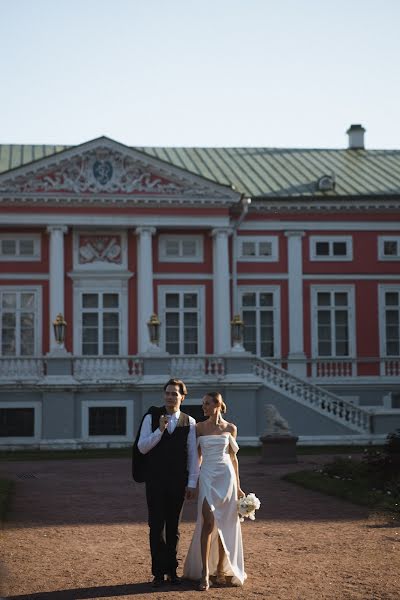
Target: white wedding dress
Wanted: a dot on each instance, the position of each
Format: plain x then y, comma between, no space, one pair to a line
217,484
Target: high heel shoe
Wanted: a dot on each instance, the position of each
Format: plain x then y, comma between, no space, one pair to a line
220,578
204,584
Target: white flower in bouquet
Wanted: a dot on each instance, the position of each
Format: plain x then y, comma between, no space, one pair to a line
247,506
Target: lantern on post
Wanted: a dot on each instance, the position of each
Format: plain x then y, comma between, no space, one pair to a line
59,325
154,329
237,326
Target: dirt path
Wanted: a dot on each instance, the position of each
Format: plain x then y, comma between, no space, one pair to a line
78,531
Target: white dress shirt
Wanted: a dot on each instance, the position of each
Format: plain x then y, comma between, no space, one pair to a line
148,439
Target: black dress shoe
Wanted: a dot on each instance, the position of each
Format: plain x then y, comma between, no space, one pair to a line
174,579
158,581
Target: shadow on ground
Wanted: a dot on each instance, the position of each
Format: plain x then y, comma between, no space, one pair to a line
106,591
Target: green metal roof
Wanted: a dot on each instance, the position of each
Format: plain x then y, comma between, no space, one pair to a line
273,172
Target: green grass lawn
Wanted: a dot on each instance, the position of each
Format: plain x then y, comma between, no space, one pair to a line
359,481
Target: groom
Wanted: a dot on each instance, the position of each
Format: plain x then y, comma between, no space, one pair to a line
168,438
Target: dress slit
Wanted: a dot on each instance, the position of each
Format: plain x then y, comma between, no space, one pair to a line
217,486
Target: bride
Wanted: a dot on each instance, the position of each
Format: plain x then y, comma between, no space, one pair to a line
216,547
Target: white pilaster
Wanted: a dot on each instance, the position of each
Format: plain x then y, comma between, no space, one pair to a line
56,253
145,284
222,310
296,330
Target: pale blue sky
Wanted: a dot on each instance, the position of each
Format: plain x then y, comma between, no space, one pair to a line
286,73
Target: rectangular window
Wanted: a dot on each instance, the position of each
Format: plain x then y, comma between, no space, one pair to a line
251,248
100,324
107,420
19,247
183,248
389,247
17,422
18,322
181,323
260,314
333,323
391,322
110,420
331,248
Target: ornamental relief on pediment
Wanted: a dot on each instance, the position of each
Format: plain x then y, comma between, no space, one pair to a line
99,171
100,248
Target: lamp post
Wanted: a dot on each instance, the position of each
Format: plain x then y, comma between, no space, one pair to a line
59,325
153,326
237,326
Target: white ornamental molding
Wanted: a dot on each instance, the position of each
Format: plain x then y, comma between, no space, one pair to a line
105,170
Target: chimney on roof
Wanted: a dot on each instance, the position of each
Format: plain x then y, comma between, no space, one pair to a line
356,136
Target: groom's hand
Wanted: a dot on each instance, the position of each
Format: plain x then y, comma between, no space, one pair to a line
163,422
190,493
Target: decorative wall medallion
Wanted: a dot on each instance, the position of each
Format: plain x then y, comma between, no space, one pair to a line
100,248
102,171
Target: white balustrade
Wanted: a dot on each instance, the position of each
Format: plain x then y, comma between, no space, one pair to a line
98,368
333,368
391,367
324,402
197,366
19,368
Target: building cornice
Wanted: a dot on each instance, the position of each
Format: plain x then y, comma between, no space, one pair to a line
325,205
39,219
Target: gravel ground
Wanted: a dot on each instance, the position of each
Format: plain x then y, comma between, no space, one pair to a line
78,530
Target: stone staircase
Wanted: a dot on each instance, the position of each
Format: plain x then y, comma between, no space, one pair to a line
312,396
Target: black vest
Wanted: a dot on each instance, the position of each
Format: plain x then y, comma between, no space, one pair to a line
167,461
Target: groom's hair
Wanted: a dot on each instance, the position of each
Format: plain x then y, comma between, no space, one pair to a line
178,382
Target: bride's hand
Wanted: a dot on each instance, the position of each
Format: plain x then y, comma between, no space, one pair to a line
241,493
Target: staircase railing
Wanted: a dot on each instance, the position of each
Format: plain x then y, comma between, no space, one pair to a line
328,404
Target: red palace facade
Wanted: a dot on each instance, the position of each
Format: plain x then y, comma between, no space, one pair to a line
301,246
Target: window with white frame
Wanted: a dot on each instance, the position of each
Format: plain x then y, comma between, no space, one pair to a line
261,318
20,421
331,248
333,322
17,422
389,248
390,320
19,314
100,323
180,248
252,248
181,310
19,247
107,420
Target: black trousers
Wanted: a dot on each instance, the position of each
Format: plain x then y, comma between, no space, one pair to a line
164,501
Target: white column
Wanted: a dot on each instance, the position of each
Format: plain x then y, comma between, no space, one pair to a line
56,252
296,332
222,304
145,284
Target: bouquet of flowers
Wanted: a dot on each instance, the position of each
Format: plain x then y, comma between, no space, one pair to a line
247,507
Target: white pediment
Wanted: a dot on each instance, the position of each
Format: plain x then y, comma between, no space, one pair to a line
104,168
